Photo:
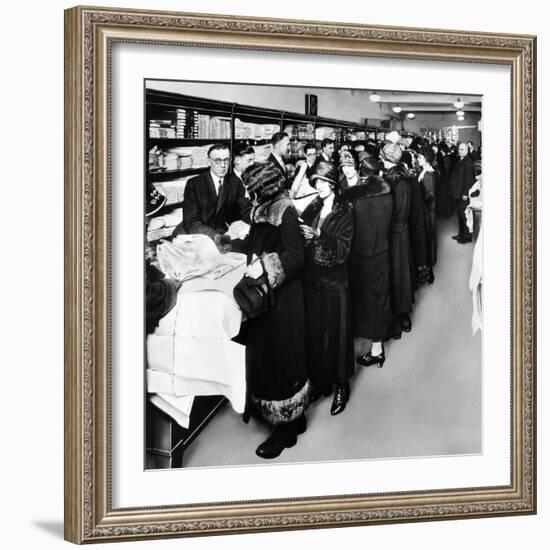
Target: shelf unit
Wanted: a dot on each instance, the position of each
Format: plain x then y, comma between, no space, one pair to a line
189,120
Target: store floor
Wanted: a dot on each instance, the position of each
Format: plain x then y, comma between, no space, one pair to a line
425,401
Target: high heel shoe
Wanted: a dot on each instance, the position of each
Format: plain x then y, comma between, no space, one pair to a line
341,397
369,359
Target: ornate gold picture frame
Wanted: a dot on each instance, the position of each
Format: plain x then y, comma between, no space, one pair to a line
90,34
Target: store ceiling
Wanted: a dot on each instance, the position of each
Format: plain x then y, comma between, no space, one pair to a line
418,102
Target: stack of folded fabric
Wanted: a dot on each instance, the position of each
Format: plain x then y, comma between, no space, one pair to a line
191,352
173,190
200,156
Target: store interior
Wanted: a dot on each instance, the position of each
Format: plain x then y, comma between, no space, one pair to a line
426,400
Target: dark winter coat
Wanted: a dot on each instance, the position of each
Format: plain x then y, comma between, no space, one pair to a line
444,201
329,331
418,231
429,190
369,264
275,341
462,177
401,290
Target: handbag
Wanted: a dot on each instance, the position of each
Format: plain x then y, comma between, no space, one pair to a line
254,296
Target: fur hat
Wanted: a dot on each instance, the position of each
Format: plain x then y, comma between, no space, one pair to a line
263,181
325,171
392,153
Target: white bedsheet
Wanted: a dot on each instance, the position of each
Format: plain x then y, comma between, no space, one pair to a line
191,352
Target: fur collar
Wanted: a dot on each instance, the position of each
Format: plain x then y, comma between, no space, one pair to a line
271,212
374,186
339,206
396,173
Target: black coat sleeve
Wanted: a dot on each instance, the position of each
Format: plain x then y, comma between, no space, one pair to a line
333,246
286,264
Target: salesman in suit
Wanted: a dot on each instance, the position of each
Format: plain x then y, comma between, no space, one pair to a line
213,200
281,144
462,178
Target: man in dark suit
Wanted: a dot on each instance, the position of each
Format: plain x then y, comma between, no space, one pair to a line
213,200
327,152
281,144
462,178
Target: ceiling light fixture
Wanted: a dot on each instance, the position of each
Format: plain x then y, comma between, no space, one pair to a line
396,109
410,115
460,113
461,118
458,104
374,97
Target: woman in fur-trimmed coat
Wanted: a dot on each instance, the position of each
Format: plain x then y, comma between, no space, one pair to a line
369,259
275,343
328,229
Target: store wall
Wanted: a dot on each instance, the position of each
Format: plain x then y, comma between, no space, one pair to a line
436,121
349,105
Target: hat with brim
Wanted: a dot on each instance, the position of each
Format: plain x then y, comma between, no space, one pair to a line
325,171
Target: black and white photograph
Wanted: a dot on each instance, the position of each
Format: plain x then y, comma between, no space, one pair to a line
313,277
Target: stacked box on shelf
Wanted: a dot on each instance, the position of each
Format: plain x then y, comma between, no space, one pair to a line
173,190
162,128
181,120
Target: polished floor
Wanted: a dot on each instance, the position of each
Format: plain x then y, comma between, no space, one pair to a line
425,401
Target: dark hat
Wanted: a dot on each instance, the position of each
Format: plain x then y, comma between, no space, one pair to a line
325,171
154,199
369,166
263,181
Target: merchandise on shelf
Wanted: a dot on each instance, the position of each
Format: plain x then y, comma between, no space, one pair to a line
173,190
250,130
325,132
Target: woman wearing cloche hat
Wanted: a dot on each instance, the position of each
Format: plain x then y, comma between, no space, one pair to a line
328,230
369,264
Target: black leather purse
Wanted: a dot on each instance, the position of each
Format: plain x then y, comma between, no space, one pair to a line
254,296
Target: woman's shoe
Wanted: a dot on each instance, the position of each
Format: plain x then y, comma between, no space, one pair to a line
341,397
316,393
406,323
281,437
369,359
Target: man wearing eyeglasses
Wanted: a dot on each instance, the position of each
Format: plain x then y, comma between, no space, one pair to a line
213,200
